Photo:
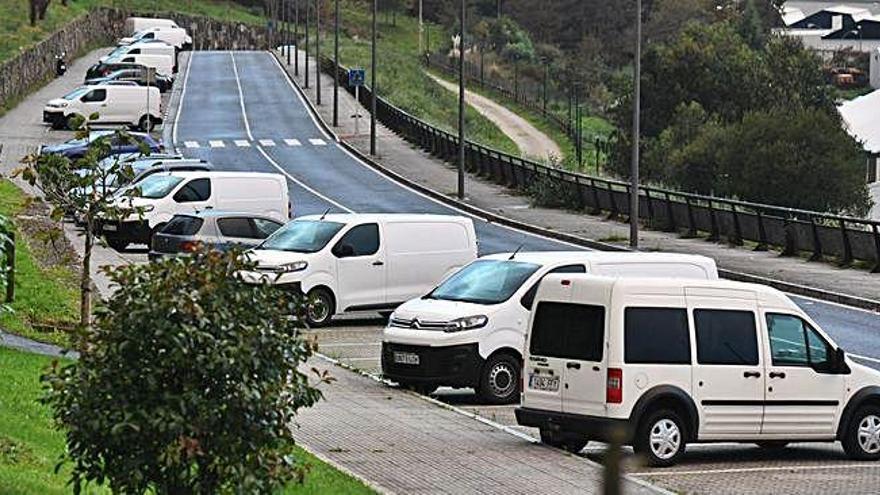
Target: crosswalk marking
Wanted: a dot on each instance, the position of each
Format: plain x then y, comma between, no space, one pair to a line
292,142
267,142
317,142
216,144
191,144
242,143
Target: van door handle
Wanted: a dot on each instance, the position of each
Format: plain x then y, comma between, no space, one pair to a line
752,374
576,366
777,374
378,263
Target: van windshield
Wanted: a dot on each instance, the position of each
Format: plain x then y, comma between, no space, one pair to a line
156,186
302,236
485,282
76,93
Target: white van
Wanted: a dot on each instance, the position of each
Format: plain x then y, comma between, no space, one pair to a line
163,49
114,104
135,24
176,37
470,330
668,362
164,64
363,262
166,194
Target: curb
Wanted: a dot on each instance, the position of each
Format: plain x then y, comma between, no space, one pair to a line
789,287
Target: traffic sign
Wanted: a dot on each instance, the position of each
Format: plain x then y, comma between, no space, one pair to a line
356,77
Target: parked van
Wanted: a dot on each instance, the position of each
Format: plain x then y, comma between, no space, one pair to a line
166,194
163,64
470,330
114,104
669,362
143,49
135,24
176,37
363,262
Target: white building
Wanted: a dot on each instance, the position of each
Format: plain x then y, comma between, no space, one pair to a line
862,119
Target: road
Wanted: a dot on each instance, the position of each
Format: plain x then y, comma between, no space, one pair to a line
240,112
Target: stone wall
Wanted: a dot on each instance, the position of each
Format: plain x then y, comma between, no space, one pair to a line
31,68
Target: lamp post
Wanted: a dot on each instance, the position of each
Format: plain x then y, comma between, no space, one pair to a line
634,172
306,58
461,141
421,29
336,65
296,37
373,84
287,28
318,52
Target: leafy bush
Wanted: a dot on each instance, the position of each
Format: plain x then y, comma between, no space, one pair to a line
188,382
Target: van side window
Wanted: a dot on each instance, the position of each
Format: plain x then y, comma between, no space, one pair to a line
194,190
95,96
134,51
568,331
726,337
363,239
528,299
793,342
656,336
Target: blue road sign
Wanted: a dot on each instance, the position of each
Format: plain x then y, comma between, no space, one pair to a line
356,77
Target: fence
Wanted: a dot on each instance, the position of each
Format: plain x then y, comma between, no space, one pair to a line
794,231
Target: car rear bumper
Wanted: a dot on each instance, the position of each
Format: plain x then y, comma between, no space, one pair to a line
134,232
454,366
593,427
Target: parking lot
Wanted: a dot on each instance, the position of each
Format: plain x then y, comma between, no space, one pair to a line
803,468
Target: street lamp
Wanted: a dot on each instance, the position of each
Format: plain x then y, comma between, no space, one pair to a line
336,66
318,51
373,84
634,173
287,29
306,59
461,103
296,37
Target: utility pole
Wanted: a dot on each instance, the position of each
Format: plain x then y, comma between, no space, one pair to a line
287,28
306,59
296,37
318,51
336,66
373,84
634,173
546,68
461,141
421,29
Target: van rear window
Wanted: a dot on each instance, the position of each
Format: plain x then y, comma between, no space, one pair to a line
656,336
568,331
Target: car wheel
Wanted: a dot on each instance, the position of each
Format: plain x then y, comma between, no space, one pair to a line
772,444
117,244
562,440
861,440
660,438
319,307
146,124
499,380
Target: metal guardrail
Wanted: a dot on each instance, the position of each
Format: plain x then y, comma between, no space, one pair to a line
848,239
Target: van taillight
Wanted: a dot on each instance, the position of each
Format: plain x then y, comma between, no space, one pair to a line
614,387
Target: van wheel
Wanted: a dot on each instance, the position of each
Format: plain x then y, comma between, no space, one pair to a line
660,438
499,381
319,307
566,441
861,441
146,124
772,444
117,244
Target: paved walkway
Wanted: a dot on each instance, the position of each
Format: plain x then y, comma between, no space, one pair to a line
402,158
531,142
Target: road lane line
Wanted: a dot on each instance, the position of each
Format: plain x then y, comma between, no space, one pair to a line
189,61
752,470
317,142
866,358
247,127
267,142
242,143
216,144
292,142
191,144
301,183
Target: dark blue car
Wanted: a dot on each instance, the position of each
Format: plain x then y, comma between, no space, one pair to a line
76,148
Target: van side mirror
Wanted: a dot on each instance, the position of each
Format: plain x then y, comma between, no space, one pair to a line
344,251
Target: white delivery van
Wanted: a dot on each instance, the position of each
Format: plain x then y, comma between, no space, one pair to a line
470,330
164,64
363,262
166,194
163,49
135,24
176,37
114,104
669,362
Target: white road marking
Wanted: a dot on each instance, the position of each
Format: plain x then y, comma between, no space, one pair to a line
317,142
242,143
753,470
191,144
247,127
216,144
192,55
301,183
866,358
292,142
267,142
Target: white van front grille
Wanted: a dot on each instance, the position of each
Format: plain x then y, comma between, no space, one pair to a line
418,324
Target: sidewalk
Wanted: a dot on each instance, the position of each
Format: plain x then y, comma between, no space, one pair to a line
401,157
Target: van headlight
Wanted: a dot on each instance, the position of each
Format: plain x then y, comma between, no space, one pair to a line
467,323
296,266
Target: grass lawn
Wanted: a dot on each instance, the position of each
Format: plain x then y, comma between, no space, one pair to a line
400,77
43,296
30,446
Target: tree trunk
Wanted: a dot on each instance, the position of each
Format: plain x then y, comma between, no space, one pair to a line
85,281
44,6
33,12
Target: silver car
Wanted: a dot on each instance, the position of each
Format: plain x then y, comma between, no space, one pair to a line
186,233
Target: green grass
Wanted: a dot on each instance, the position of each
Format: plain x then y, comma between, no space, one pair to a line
42,295
30,447
401,79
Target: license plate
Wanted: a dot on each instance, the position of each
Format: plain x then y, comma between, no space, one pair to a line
406,358
110,227
545,383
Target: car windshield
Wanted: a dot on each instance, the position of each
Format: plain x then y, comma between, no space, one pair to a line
485,282
156,186
76,93
302,236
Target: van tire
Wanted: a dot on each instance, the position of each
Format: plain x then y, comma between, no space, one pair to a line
862,449
565,441
117,244
772,444
320,307
147,124
667,424
499,379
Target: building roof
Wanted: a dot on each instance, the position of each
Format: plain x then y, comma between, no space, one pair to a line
847,10
790,15
862,119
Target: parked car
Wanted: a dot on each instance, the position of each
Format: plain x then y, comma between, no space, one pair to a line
166,194
470,330
164,65
135,106
176,37
103,69
136,76
135,24
131,171
363,262
219,230
76,148
667,362
160,48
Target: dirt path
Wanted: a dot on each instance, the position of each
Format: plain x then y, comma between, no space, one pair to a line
531,141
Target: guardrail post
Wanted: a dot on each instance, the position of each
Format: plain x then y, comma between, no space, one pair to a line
650,207
614,213
692,224
762,232
10,267
790,248
737,238
597,206
817,242
714,235
847,247
670,214
580,194
876,268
